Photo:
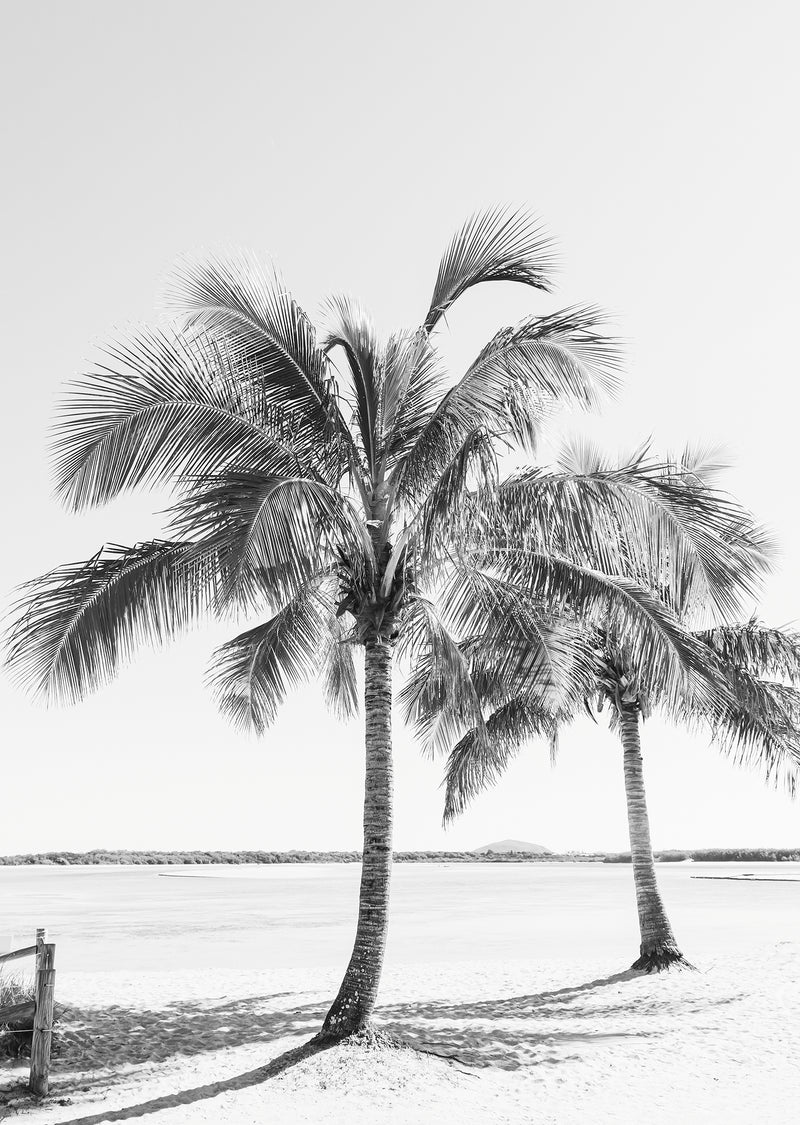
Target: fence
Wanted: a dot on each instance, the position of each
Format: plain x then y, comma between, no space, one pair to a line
40,1008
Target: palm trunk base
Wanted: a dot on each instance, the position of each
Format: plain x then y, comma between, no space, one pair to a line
657,958
367,1035
346,1017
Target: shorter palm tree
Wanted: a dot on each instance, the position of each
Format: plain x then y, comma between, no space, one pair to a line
743,693
755,718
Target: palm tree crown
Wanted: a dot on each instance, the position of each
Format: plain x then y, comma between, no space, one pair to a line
312,488
635,547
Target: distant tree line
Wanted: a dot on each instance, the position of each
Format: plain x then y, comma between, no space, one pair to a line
155,858
718,855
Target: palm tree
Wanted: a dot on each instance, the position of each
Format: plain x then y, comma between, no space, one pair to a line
757,720
746,675
322,484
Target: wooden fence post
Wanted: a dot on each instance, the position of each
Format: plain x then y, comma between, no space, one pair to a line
43,1014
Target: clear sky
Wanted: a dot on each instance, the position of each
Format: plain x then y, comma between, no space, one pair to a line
348,141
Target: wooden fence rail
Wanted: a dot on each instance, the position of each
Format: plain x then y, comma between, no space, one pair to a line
40,1009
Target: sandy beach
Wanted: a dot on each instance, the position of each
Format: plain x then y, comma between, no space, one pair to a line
526,1043
533,1037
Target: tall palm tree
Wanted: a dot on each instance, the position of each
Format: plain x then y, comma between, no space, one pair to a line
321,482
748,702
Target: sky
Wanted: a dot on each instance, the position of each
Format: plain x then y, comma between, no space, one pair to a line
347,142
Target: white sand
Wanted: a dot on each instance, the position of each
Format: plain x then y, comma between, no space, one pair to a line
534,1042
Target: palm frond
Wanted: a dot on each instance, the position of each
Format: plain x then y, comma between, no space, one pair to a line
511,386
414,382
703,464
238,301
515,640
350,327
439,699
579,456
478,762
500,244
339,681
654,641
271,533
564,357
514,648
448,512
77,625
157,405
758,728
762,651
641,520
251,674
757,721
549,659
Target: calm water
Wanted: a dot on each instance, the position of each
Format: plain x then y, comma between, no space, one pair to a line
222,917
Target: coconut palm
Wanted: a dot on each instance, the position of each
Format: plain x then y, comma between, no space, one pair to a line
317,481
757,721
747,702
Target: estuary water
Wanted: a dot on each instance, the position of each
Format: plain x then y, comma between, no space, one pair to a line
284,916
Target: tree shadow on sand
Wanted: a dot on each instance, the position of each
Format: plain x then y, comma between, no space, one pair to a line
481,1033
518,1031
98,1037
181,1027
211,1090
508,1033
107,1042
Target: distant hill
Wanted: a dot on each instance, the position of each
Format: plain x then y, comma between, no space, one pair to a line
503,846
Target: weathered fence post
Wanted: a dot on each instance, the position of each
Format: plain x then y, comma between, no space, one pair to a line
43,1014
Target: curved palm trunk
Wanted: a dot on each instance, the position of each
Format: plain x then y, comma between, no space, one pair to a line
658,947
352,1009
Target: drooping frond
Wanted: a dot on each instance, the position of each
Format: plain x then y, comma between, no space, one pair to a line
758,727
273,534
545,662
500,244
236,300
515,641
509,646
476,763
447,512
510,387
76,626
439,699
762,651
160,404
757,721
644,626
251,674
350,327
549,659
339,680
